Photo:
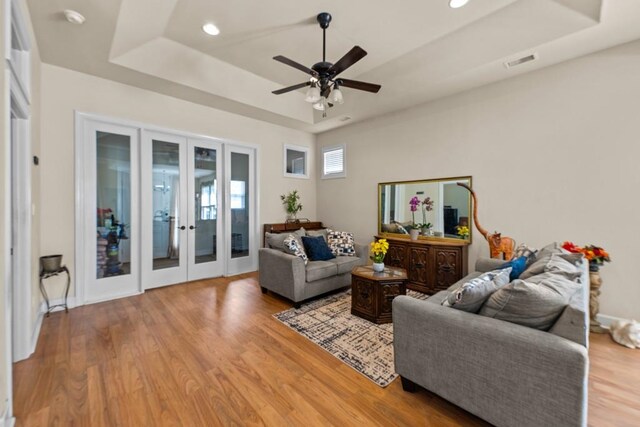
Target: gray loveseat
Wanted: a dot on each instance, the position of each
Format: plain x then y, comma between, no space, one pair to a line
505,373
286,274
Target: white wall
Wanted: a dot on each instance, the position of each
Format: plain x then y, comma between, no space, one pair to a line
553,155
64,91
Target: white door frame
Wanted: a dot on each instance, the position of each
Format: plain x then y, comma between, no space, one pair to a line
250,263
85,262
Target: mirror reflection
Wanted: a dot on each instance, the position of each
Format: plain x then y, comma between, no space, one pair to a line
438,208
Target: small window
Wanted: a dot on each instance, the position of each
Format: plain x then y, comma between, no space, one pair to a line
296,161
333,162
238,194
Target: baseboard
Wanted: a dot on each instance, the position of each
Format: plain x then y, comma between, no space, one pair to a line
8,422
36,329
606,320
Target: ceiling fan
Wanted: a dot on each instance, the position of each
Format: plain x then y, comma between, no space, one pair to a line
324,84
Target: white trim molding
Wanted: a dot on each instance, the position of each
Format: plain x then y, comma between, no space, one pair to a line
606,320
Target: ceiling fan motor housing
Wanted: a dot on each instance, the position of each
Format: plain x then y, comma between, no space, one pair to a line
324,19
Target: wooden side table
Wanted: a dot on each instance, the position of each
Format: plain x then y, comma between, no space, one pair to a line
372,293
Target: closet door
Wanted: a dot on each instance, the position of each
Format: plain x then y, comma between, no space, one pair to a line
164,209
110,206
240,209
205,216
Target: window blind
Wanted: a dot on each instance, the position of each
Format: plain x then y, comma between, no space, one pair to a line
334,161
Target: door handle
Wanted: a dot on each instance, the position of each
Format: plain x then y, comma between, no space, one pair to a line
183,227
192,227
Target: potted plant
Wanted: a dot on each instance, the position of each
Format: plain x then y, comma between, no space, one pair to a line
463,231
427,206
415,227
292,204
379,249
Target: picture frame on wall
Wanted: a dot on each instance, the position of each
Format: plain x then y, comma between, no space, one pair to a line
296,161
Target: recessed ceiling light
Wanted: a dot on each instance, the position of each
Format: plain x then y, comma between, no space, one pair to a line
74,17
457,3
210,29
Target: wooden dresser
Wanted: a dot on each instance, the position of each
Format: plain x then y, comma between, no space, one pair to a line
432,265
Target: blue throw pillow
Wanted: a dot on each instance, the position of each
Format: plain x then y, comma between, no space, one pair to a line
317,248
518,265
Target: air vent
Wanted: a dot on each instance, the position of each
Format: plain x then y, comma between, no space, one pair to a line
521,61
345,118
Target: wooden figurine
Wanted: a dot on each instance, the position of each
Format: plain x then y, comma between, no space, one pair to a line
499,247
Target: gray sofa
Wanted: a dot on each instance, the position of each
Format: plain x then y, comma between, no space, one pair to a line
505,373
286,274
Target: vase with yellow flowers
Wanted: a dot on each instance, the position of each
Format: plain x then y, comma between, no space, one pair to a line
379,249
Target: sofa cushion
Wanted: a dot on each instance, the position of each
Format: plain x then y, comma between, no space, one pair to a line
316,248
315,233
561,263
471,295
536,302
341,243
294,247
276,240
517,265
345,264
317,270
523,250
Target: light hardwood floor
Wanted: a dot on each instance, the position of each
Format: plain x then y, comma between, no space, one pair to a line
209,353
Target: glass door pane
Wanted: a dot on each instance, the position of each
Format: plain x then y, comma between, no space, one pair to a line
113,200
205,220
239,205
166,204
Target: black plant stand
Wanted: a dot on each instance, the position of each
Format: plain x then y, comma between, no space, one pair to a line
45,275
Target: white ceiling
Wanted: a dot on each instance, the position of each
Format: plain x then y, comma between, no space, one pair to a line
418,50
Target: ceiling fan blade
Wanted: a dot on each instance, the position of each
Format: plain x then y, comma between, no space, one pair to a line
294,64
354,84
351,57
290,88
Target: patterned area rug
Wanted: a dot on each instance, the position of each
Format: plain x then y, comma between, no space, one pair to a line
365,346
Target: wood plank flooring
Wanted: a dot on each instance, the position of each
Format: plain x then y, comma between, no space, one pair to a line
209,353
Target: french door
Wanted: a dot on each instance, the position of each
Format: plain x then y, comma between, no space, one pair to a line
158,207
111,217
181,196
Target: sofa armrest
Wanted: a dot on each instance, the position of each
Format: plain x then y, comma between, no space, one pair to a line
282,273
362,252
505,373
488,264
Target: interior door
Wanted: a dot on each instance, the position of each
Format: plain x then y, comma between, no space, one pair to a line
111,211
164,209
240,209
205,216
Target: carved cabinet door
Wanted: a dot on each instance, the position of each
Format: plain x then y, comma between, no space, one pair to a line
362,296
396,256
419,262
448,265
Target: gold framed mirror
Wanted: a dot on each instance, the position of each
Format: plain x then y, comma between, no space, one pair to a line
439,208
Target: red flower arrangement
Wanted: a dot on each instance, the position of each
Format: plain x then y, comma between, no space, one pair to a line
594,254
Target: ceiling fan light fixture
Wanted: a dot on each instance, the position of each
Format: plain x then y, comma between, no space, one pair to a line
454,4
313,94
211,29
320,104
336,96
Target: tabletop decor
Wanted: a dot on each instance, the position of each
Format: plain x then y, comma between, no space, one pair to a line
427,206
379,249
596,256
463,231
415,227
292,204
